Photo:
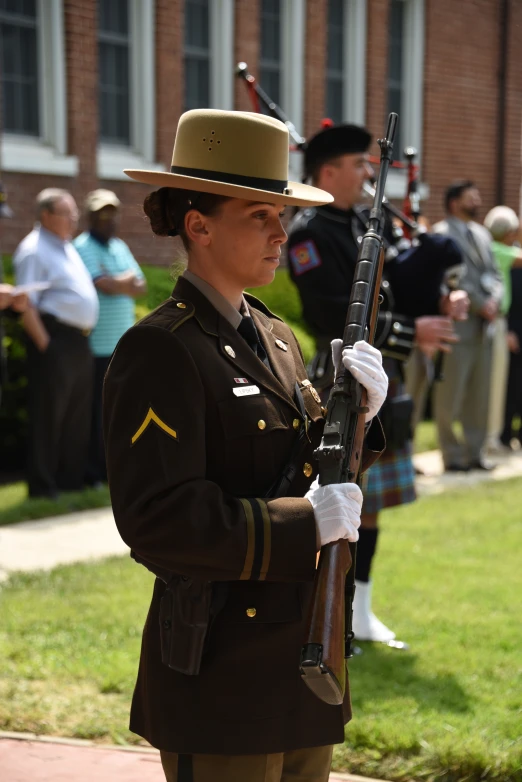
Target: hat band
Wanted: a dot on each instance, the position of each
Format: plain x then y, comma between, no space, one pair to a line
255,182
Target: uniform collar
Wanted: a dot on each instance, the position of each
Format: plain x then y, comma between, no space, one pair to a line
223,306
336,214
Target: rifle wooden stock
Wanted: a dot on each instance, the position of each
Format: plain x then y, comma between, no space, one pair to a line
339,455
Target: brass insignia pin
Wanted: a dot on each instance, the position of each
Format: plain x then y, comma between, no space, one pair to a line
281,344
230,351
151,417
315,395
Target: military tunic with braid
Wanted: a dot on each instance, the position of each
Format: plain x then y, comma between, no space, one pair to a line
197,429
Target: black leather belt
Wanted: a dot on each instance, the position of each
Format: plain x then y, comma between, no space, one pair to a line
53,322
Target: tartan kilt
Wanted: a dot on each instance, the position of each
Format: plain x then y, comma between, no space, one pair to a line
391,480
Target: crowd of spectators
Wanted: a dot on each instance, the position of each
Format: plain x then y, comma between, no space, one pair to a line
76,299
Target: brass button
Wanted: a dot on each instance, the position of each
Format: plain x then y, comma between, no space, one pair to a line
181,305
261,424
307,469
281,344
296,423
230,351
251,612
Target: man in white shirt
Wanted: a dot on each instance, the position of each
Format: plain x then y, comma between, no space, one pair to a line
59,359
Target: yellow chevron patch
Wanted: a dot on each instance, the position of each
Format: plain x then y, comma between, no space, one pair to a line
151,417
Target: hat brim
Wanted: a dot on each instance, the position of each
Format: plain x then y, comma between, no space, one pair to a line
301,195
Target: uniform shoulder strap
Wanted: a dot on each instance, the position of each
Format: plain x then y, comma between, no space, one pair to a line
171,314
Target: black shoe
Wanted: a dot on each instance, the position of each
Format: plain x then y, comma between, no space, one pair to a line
480,464
457,468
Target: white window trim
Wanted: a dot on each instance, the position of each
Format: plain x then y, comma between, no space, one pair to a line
412,108
222,54
47,154
355,33
293,21
113,158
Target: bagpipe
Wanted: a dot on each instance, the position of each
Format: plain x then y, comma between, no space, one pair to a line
419,265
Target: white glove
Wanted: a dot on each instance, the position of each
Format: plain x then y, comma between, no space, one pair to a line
365,363
337,510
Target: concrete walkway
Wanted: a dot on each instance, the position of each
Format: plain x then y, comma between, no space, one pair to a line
29,758
92,534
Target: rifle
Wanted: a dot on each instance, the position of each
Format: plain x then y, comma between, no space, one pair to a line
329,638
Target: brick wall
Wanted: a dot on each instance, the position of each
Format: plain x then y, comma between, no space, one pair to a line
246,47
461,129
315,65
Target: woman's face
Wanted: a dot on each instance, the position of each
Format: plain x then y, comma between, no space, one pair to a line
243,241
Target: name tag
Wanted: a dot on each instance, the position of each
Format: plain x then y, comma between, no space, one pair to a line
246,391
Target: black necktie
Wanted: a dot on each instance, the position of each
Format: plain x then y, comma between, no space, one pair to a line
247,329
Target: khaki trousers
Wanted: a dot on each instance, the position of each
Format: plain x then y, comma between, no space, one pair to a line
302,765
418,373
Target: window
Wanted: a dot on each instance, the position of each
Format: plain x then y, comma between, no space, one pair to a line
114,48
197,54
270,59
346,49
19,62
126,91
395,68
32,61
335,61
406,83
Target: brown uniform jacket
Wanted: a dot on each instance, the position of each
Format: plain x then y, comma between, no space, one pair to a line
189,463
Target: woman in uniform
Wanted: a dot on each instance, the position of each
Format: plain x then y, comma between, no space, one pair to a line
210,426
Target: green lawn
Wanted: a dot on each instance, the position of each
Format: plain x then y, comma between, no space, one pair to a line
16,506
447,580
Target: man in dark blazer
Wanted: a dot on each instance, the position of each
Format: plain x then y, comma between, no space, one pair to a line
463,395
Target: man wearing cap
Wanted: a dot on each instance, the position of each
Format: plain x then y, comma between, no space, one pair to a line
118,281
59,359
322,250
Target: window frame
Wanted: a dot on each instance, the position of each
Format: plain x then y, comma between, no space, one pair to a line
113,158
47,153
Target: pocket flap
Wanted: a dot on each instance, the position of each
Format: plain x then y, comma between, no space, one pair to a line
262,603
250,415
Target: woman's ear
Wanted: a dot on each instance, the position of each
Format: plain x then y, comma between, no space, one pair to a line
196,228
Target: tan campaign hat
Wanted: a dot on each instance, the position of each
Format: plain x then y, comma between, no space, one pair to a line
238,154
97,199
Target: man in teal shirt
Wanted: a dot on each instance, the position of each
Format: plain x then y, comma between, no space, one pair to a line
118,280
503,225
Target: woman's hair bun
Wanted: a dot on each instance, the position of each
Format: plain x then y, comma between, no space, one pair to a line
160,209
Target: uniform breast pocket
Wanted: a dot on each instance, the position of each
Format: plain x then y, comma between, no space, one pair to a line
254,435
